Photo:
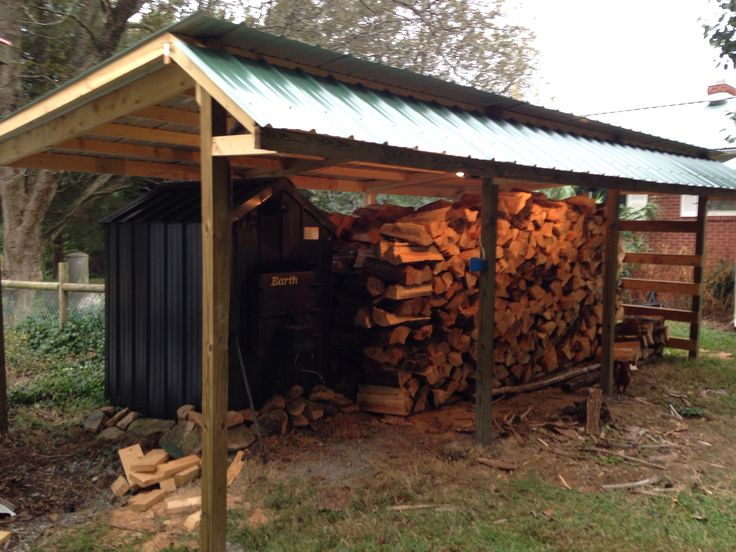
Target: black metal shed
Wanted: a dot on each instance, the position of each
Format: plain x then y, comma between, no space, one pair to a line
281,256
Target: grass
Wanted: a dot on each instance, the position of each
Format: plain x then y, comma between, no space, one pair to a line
526,514
710,380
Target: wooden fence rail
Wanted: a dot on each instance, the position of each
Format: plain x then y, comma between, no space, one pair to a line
63,287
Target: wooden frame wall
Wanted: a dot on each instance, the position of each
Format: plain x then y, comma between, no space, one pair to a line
693,289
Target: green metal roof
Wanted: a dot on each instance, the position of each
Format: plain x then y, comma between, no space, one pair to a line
294,100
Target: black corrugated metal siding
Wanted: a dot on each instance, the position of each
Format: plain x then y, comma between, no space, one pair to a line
154,306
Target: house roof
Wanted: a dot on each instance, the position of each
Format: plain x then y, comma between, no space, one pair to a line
179,202
699,122
330,120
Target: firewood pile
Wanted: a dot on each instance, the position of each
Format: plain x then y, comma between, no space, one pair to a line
639,338
407,301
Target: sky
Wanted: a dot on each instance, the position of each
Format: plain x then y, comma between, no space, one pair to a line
603,55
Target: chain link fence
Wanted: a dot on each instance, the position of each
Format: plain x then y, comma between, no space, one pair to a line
21,304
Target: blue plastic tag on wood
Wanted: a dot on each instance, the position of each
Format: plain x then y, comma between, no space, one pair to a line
478,265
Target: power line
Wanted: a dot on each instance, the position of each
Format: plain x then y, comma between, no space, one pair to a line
657,107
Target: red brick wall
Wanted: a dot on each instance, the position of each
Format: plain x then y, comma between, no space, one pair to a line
720,242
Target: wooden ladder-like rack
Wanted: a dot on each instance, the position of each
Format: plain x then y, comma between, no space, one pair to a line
692,289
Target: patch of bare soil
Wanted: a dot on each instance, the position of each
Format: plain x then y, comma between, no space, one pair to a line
54,476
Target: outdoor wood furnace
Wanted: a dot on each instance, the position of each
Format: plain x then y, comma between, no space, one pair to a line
280,295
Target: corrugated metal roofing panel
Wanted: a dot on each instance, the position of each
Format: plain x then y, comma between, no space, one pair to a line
294,100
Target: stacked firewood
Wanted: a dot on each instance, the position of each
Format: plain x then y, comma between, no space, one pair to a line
404,282
639,338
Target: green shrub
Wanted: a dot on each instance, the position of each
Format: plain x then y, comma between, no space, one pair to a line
58,366
718,292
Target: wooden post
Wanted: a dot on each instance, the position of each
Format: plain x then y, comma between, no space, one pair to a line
63,269
369,198
486,312
610,287
697,303
216,258
3,379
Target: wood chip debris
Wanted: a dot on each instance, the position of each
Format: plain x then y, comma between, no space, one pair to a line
498,464
633,485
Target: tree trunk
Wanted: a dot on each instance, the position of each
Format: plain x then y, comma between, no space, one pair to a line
26,196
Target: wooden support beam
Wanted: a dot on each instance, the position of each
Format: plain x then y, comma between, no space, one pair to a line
697,303
84,163
663,286
289,141
216,259
610,287
237,144
293,167
120,149
662,259
3,376
146,134
486,311
682,226
677,315
169,115
690,345
142,93
357,172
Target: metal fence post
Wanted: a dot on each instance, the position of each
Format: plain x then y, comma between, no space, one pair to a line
63,300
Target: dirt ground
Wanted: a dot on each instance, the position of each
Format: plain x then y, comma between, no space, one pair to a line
59,479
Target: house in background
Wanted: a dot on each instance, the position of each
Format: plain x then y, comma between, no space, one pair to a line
708,123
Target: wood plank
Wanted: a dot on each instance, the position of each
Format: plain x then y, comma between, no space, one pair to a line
123,150
128,456
82,163
150,461
206,84
169,115
120,486
235,467
677,315
679,343
486,314
237,144
662,259
168,485
664,286
144,92
183,505
193,520
186,476
143,501
356,172
610,275
145,134
5,537
216,259
697,304
170,469
145,54
658,226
